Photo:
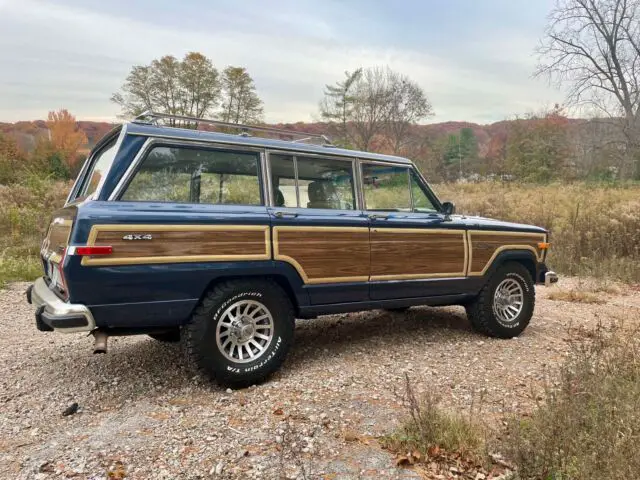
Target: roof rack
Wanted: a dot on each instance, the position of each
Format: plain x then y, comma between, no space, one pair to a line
150,117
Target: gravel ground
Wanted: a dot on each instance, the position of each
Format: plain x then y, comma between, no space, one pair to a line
141,413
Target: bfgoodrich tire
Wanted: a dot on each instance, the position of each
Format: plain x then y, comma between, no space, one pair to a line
505,305
240,333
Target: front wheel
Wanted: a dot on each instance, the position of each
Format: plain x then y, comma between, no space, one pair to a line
505,304
241,332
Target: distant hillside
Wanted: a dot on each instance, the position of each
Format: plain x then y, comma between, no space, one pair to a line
27,133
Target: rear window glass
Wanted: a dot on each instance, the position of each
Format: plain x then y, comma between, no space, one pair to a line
100,164
193,175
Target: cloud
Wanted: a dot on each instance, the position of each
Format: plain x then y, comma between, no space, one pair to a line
71,56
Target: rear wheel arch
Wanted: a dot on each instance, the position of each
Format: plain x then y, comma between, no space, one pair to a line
281,280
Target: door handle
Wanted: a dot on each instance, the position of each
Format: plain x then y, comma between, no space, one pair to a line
377,216
285,215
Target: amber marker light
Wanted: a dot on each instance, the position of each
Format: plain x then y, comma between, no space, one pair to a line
544,245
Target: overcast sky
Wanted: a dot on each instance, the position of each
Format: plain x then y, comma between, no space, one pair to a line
473,58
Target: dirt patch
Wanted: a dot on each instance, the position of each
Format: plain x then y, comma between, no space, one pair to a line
142,415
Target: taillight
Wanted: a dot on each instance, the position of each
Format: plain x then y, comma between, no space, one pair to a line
94,250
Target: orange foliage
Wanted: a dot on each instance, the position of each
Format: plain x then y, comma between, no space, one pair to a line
66,138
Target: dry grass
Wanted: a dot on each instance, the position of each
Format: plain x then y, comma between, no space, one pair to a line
430,433
575,296
595,229
588,428
25,211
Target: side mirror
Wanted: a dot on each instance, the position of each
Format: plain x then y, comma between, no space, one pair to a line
448,209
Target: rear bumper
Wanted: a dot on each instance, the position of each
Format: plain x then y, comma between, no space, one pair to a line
52,313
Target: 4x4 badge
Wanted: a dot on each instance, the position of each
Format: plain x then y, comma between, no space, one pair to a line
138,236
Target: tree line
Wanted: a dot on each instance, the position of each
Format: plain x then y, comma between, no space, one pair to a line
592,47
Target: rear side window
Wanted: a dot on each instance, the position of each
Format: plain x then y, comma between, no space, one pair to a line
311,182
193,175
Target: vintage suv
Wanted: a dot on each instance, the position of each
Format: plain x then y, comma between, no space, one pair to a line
222,240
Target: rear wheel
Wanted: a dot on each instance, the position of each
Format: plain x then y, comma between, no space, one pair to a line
241,332
505,305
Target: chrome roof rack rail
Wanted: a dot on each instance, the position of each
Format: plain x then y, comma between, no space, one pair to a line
150,117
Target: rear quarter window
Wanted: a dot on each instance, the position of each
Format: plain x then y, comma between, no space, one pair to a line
194,175
100,165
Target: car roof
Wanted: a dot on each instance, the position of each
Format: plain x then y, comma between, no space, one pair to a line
150,130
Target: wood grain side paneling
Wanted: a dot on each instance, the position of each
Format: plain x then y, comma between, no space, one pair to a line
180,243
324,254
417,253
485,247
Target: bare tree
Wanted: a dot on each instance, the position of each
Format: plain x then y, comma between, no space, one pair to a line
371,106
594,47
409,105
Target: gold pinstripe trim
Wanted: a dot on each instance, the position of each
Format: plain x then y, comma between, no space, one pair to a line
285,258
96,229
502,248
417,276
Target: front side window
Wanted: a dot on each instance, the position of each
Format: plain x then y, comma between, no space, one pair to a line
309,182
194,175
100,165
386,187
421,201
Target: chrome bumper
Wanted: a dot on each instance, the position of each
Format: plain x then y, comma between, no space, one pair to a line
550,278
58,314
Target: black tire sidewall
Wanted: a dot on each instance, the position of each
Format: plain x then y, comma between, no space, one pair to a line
521,275
225,370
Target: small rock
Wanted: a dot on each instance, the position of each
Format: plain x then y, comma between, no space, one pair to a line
70,410
229,390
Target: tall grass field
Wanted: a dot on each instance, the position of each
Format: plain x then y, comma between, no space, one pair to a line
595,229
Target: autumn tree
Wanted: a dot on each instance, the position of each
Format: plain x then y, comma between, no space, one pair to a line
65,136
538,147
190,87
593,47
240,102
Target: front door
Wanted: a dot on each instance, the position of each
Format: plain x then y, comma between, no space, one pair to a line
415,251
317,228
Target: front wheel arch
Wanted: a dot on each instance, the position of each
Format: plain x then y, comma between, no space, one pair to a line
526,258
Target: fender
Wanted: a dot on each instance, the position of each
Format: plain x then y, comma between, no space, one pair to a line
526,257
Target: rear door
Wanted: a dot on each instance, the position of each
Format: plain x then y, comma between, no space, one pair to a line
317,227
415,250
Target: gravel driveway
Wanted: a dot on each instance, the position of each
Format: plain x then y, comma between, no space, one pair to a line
143,415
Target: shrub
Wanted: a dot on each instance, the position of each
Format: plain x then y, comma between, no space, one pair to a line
589,427
431,432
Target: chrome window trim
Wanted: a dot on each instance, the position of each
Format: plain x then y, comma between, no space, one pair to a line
89,161
296,155
154,141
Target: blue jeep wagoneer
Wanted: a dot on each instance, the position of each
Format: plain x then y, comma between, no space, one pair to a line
221,241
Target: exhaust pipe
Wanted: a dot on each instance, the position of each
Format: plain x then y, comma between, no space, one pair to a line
100,341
